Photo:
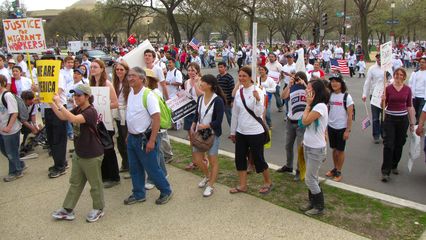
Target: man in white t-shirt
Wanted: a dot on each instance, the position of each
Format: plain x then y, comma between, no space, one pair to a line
68,75
23,65
143,125
326,55
173,78
417,84
149,57
338,52
274,71
201,52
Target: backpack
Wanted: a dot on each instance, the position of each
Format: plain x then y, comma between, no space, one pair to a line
345,98
165,112
23,114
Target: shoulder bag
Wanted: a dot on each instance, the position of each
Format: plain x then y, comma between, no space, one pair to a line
203,139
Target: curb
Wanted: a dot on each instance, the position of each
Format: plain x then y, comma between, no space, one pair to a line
344,186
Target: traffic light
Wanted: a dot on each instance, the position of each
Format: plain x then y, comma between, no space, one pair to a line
314,31
15,4
324,19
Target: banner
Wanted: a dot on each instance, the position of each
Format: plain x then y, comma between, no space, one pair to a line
24,35
386,56
182,105
48,75
135,57
102,105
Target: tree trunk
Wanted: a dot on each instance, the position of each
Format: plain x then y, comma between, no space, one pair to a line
364,34
414,34
175,27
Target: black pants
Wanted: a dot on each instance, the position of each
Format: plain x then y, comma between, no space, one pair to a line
352,71
254,144
110,164
394,137
56,131
418,104
121,144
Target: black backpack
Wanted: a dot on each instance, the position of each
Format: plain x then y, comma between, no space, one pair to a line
345,99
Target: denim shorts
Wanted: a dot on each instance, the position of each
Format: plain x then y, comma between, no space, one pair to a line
214,150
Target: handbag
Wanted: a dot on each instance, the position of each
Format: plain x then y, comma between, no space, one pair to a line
203,139
103,136
258,119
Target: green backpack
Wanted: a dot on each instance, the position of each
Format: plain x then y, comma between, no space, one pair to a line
165,112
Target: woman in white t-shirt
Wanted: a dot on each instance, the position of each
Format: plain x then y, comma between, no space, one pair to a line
268,84
208,117
315,118
341,107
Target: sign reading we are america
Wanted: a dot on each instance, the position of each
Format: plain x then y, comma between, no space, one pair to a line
24,35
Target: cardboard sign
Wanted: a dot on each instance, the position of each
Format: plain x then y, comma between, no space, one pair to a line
102,105
376,97
24,35
135,57
386,56
48,77
182,105
300,63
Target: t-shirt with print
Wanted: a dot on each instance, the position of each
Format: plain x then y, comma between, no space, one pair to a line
12,107
314,136
297,102
337,116
86,141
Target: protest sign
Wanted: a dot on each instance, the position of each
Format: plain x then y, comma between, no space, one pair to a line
135,57
376,97
300,63
24,35
48,76
386,56
275,76
182,105
102,105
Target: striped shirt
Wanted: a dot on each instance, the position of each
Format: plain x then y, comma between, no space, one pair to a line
226,82
398,102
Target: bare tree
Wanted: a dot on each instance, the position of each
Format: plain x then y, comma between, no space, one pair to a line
170,6
365,7
192,14
132,11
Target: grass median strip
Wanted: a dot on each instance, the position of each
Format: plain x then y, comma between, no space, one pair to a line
354,212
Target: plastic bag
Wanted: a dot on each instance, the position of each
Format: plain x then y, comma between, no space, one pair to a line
414,149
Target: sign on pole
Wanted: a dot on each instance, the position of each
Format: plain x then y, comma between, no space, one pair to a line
386,56
102,105
48,75
182,105
24,35
254,53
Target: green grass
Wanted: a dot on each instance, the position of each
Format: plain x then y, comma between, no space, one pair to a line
351,211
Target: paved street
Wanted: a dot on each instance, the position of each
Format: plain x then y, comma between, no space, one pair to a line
363,157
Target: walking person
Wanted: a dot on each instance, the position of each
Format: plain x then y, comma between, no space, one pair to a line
268,84
10,128
247,132
142,143
340,116
274,66
400,115
110,171
352,59
122,89
226,82
208,117
86,161
295,92
417,84
315,118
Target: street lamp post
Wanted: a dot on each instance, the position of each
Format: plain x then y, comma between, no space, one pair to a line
392,34
148,28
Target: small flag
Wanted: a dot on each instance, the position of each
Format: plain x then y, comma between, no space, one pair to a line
340,64
194,43
365,123
131,39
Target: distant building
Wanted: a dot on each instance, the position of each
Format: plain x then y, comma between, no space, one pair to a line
49,14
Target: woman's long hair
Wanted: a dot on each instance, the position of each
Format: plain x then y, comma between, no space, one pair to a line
116,82
103,78
212,81
321,93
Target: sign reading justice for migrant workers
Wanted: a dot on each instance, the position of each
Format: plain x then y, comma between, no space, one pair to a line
48,76
24,35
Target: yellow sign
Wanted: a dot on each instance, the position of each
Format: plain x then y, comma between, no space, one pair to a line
48,75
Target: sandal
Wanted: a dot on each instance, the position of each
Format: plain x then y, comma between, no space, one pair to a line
237,190
265,189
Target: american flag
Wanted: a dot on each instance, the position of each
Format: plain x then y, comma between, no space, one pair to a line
365,123
194,43
340,64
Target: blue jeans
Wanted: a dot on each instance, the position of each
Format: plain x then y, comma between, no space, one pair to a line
69,129
268,110
228,114
376,115
277,95
140,161
9,147
160,158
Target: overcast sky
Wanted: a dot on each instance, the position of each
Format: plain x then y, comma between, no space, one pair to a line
32,5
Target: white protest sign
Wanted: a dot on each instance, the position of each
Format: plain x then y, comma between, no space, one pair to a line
300,63
275,76
135,57
24,35
386,56
376,97
102,106
182,105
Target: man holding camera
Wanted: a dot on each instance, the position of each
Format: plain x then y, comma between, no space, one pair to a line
295,93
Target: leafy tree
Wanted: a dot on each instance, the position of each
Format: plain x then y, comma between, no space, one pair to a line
109,21
170,6
365,7
71,24
192,14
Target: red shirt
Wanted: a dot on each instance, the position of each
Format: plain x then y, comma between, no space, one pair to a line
398,102
263,60
315,73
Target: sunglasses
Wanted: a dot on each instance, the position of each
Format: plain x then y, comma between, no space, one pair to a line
119,70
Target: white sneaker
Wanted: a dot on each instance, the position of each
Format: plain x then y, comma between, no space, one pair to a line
149,186
203,182
208,191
